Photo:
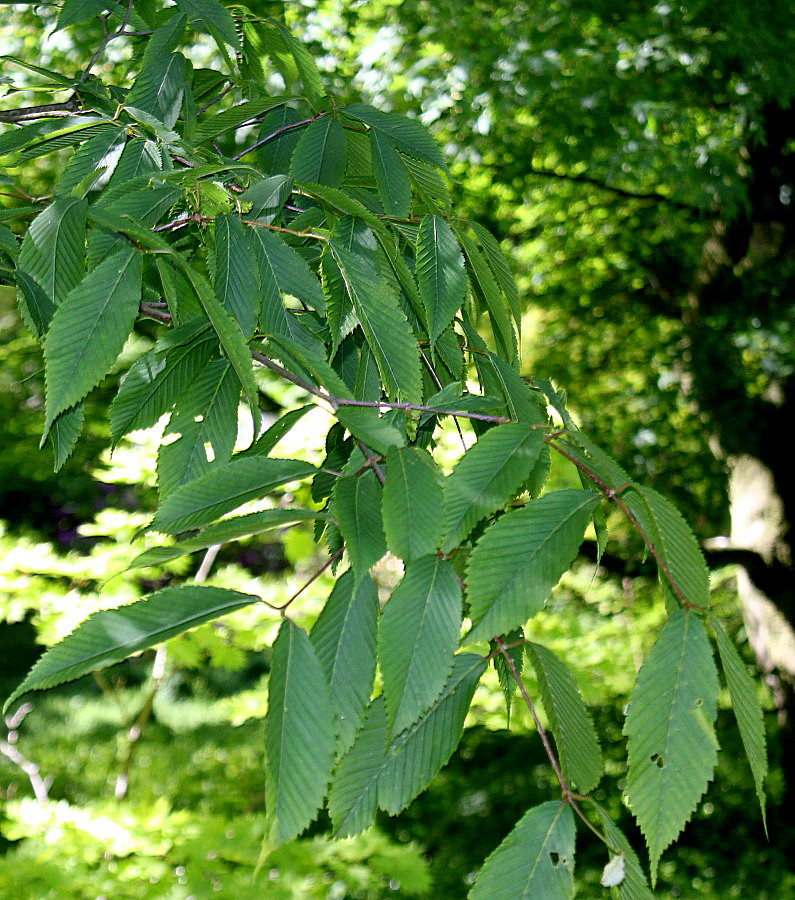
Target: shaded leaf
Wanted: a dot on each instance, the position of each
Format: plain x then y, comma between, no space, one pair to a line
747,711
504,673
357,511
112,635
64,433
160,86
267,198
235,289
440,274
634,886
408,135
394,186
319,155
369,427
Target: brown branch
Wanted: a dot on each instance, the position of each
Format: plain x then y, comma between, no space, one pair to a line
43,111
276,133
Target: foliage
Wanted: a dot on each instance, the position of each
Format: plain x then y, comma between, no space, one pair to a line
321,248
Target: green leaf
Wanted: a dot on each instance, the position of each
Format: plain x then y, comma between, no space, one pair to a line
499,266
304,63
139,158
235,289
634,886
98,157
431,193
394,187
53,251
486,477
144,207
418,753
484,284
319,156
578,746
519,560
417,638
523,403
365,424
413,497
154,383
206,414
385,327
344,638
112,635
213,18
160,86
594,460
89,329
353,797
64,433
747,711
299,736
504,673
275,154
229,334
676,550
281,427
536,860
671,745
225,488
283,270
219,122
356,507
226,531
267,198
35,306
408,135
75,12
440,274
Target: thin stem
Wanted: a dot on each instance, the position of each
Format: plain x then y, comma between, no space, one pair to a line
276,133
107,39
281,230
553,760
372,461
335,556
223,94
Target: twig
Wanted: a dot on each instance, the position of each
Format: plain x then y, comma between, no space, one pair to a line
276,133
107,39
223,94
336,555
41,786
372,461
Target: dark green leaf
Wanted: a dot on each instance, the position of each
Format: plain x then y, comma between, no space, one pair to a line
413,497
319,156
440,274
160,86
408,135
394,187
235,289
357,511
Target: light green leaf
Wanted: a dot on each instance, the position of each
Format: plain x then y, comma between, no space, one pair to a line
304,63
75,12
299,736
385,327
519,560
224,489
98,156
671,744
139,158
394,187
89,329
160,86
235,289
353,797
486,477
416,755
154,383
319,156
53,251
226,531
111,636
213,18
676,550
369,427
344,638
356,507
578,746
504,673
634,886
417,638
408,135
747,711
413,497
536,860
440,274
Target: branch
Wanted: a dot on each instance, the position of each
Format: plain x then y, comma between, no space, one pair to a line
621,192
275,133
44,111
41,786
